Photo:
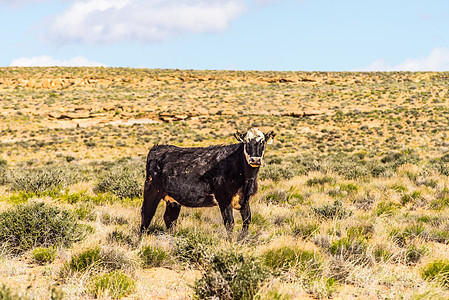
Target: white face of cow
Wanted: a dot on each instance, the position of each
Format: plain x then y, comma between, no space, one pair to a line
254,142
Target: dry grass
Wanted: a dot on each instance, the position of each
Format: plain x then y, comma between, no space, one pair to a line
358,174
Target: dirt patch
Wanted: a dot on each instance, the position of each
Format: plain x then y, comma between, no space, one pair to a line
162,283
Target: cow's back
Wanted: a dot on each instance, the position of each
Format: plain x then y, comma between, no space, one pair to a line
186,174
194,160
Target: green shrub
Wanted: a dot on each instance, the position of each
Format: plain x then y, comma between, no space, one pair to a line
3,172
82,197
349,187
281,196
7,294
37,224
114,284
396,159
414,230
295,198
364,231
113,258
106,218
19,198
276,172
432,220
192,246
335,210
40,180
437,271
97,258
123,180
439,203
44,255
319,180
231,275
86,259
114,220
351,167
57,293
304,165
153,256
349,248
404,236
122,238
413,254
386,208
274,294
376,169
85,211
440,165
305,230
259,220
351,170
323,287
411,198
285,258
156,228
429,182
277,197
438,235
381,253
399,188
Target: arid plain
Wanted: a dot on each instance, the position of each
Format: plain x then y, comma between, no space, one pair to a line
353,197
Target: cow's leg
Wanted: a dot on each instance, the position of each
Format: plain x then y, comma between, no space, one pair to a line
171,214
228,217
151,198
246,217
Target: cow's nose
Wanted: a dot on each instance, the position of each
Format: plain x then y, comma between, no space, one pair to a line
255,161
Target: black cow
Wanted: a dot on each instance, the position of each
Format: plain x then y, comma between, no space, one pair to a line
202,177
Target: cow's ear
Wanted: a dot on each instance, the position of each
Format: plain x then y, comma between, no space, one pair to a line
269,137
239,136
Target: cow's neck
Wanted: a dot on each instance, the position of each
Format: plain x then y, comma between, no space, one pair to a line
250,172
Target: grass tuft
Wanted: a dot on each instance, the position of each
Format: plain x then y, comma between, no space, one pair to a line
437,271
331,211
153,256
314,181
44,255
305,230
286,258
115,285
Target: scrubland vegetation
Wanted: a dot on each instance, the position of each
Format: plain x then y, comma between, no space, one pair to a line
353,197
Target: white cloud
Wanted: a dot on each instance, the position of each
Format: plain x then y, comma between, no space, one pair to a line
266,2
48,61
110,21
437,60
16,4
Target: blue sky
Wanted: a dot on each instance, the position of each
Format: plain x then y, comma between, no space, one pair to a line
280,35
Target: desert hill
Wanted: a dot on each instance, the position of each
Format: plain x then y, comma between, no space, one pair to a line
64,110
